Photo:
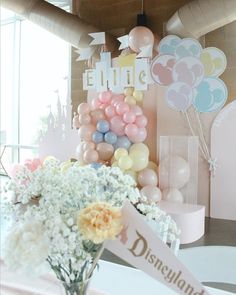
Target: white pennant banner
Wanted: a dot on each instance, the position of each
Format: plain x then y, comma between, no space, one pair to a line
146,51
138,245
124,40
85,53
98,38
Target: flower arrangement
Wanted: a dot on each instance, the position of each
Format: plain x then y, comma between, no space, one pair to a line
64,213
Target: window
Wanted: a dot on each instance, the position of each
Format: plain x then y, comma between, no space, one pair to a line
34,68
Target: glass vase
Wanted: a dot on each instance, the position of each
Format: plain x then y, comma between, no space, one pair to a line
78,288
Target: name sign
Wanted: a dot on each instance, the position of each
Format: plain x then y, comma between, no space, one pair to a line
139,245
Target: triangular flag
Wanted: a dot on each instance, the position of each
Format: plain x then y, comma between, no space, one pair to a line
98,38
84,53
146,51
124,40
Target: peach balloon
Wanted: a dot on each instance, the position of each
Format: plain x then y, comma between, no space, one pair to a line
152,193
105,151
90,156
95,104
84,119
83,108
147,177
139,37
97,115
85,132
89,145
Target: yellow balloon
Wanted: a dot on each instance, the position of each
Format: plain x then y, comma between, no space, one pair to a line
120,152
113,159
152,166
207,61
125,163
140,160
133,174
115,164
141,147
130,100
138,95
128,91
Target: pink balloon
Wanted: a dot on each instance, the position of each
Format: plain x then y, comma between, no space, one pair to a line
129,117
97,115
83,108
152,193
140,136
85,132
147,177
105,96
89,145
105,151
139,37
84,119
131,130
103,106
110,111
122,108
32,165
117,126
141,121
116,99
90,156
95,103
136,110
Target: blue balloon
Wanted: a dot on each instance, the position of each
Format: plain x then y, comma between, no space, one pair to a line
122,142
96,165
110,137
97,137
103,126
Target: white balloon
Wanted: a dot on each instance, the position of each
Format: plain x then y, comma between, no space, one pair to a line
173,195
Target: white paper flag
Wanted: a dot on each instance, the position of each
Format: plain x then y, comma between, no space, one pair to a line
85,53
124,40
98,38
138,245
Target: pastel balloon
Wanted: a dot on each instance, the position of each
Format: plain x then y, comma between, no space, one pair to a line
76,123
175,172
125,162
115,164
103,126
131,130
179,96
141,121
110,137
95,103
122,108
105,96
129,117
138,95
161,69
97,115
120,153
136,110
83,108
210,95
147,177
188,70
140,160
116,99
168,44
133,174
90,156
152,193
173,195
139,37
122,142
140,136
85,132
128,91
117,126
152,166
89,145
140,147
214,61
188,47
110,111
84,119
105,151
130,100
97,137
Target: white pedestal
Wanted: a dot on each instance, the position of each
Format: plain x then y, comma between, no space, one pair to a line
190,219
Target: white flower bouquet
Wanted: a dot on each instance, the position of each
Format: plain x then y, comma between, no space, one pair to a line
64,213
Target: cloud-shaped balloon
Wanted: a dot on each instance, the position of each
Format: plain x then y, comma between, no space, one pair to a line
168,44
210,95
188,47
